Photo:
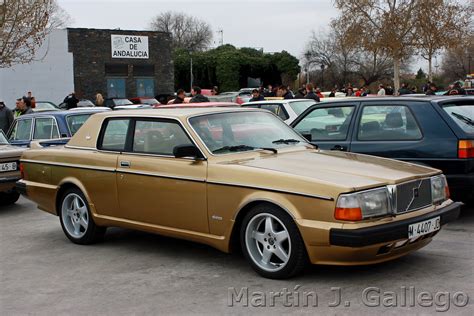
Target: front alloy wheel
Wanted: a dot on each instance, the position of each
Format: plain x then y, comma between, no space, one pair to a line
272,243
76,219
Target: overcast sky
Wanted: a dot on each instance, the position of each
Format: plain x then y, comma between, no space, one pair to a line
275,25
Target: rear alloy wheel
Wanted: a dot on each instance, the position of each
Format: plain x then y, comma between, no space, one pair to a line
76,219
272,243
7,198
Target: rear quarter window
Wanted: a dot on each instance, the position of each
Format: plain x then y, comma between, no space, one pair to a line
462,114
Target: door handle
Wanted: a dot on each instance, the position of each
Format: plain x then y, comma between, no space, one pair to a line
125,164
339,147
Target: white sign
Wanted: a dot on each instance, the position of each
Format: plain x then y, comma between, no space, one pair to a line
129,46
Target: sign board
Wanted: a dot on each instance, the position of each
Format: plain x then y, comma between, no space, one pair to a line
129,46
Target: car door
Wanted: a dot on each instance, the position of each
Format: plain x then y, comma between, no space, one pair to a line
156,188
328,127
20,132
393,129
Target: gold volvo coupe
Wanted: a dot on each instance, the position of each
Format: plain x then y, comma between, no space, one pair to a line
231,176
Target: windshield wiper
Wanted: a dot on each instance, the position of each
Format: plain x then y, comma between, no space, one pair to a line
242,148
286,141
463,118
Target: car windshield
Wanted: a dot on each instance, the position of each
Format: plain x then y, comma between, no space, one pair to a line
122,102
462,114
74,122
244,131
300,106
149,101
45,106
3,138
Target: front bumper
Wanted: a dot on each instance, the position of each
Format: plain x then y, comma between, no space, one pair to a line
368,236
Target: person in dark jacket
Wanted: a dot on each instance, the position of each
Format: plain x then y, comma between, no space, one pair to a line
179,97
283,91
404,89
310,93
431,89
71,101
6,117
256,96
23,106
197,96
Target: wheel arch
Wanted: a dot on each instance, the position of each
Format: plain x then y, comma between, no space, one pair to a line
66,184
234,243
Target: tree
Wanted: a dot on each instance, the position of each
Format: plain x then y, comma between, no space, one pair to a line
458,61
188,32
24,24
420,74
440,24
385,25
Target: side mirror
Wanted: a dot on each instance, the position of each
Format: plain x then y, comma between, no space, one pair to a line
187,150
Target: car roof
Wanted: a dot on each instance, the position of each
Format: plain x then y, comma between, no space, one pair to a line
429,98
198,105
178,112
278,101
62,113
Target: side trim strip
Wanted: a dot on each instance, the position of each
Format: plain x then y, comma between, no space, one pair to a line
327,198
159,175
62,164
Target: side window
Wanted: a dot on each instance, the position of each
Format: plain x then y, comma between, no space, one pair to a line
276,109
21,130
388,122
74,122
326,123
158,137
45,128
114,135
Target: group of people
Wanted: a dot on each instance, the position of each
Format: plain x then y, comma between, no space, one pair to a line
23,105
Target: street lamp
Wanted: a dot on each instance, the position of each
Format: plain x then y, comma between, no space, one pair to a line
322,76
307,55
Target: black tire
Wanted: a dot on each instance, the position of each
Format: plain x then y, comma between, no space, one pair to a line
89,235
297,256
8,198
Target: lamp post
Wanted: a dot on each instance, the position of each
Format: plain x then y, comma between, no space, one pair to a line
307,55
322,76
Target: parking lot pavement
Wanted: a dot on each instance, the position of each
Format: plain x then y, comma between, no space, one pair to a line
138,273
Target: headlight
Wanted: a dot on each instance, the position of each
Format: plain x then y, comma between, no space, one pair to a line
363,205
439,189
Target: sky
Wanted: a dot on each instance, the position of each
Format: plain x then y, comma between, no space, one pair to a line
273,25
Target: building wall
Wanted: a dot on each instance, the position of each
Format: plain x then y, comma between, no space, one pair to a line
49,77
92,52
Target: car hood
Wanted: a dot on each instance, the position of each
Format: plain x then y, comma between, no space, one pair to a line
299,171
8,151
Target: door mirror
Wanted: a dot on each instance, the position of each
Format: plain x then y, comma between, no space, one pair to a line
187,150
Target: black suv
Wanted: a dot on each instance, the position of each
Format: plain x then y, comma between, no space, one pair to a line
433,131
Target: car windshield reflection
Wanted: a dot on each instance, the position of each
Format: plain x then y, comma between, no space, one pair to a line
244,131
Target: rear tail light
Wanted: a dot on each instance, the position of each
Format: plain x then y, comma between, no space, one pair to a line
22,172
466,149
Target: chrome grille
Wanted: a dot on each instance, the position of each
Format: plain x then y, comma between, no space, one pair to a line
413,195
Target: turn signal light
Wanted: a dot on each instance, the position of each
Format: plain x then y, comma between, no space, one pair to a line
348,214
466,149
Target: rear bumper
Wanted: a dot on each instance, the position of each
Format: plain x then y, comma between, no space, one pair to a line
368,236
20,187
8,183
461,186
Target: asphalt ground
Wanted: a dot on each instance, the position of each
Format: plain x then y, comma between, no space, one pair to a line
43,273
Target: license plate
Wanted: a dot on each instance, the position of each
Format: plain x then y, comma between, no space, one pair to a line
9,166
423,228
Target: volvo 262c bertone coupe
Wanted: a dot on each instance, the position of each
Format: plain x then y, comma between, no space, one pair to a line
232,176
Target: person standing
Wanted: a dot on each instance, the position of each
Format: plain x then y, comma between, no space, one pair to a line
6,117
431,90
99,99
197,96
269,92
404,89
179,97
256,96
283,92
23,106
381,90
310,93
71,101
32,99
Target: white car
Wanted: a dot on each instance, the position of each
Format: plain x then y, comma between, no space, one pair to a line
287,109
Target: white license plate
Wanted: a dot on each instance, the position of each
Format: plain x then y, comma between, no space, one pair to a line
9,166
423,228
